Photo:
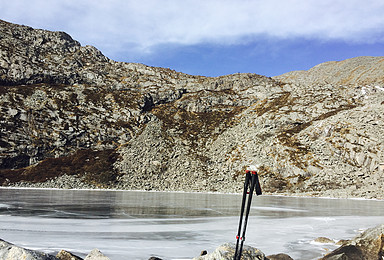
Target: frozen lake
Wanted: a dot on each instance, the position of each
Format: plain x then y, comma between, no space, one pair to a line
138,225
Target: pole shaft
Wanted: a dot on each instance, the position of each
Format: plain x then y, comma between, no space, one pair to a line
246,184
253,182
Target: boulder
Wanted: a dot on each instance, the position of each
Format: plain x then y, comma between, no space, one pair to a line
368,245
279,257
65,255
324,240
95,254
227,251
9,251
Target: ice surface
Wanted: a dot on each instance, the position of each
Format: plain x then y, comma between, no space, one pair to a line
4,205
138,225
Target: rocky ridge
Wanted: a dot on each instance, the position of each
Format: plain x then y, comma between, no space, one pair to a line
69,113
359,71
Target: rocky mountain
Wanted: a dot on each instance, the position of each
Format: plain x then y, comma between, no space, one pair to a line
71,117
359,71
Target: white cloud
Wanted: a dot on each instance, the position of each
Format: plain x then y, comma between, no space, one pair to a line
146,23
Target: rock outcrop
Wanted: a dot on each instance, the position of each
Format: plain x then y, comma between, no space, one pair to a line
359,71
65,255
10,251
95,254
368,245
227,251
69,113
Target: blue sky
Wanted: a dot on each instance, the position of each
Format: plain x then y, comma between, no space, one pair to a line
214,37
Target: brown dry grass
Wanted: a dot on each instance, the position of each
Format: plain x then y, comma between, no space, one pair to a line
95,166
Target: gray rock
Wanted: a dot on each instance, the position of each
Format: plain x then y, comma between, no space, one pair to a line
95,254
324,240
9,251
326,73
227,251
65,255
368,245
279,257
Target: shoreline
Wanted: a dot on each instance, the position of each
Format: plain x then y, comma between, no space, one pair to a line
42,192
285,194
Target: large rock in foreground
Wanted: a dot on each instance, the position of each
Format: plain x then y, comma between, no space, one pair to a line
227,251
9,251
368,245
95,254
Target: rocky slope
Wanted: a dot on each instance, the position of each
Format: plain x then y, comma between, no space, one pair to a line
69,114
357,71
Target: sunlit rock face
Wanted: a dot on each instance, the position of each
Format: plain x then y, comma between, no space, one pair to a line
367,245
10,251
67,112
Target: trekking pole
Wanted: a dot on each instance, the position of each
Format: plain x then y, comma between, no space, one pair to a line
251,181
246,183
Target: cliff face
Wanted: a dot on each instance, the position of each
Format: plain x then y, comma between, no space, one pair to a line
68,110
